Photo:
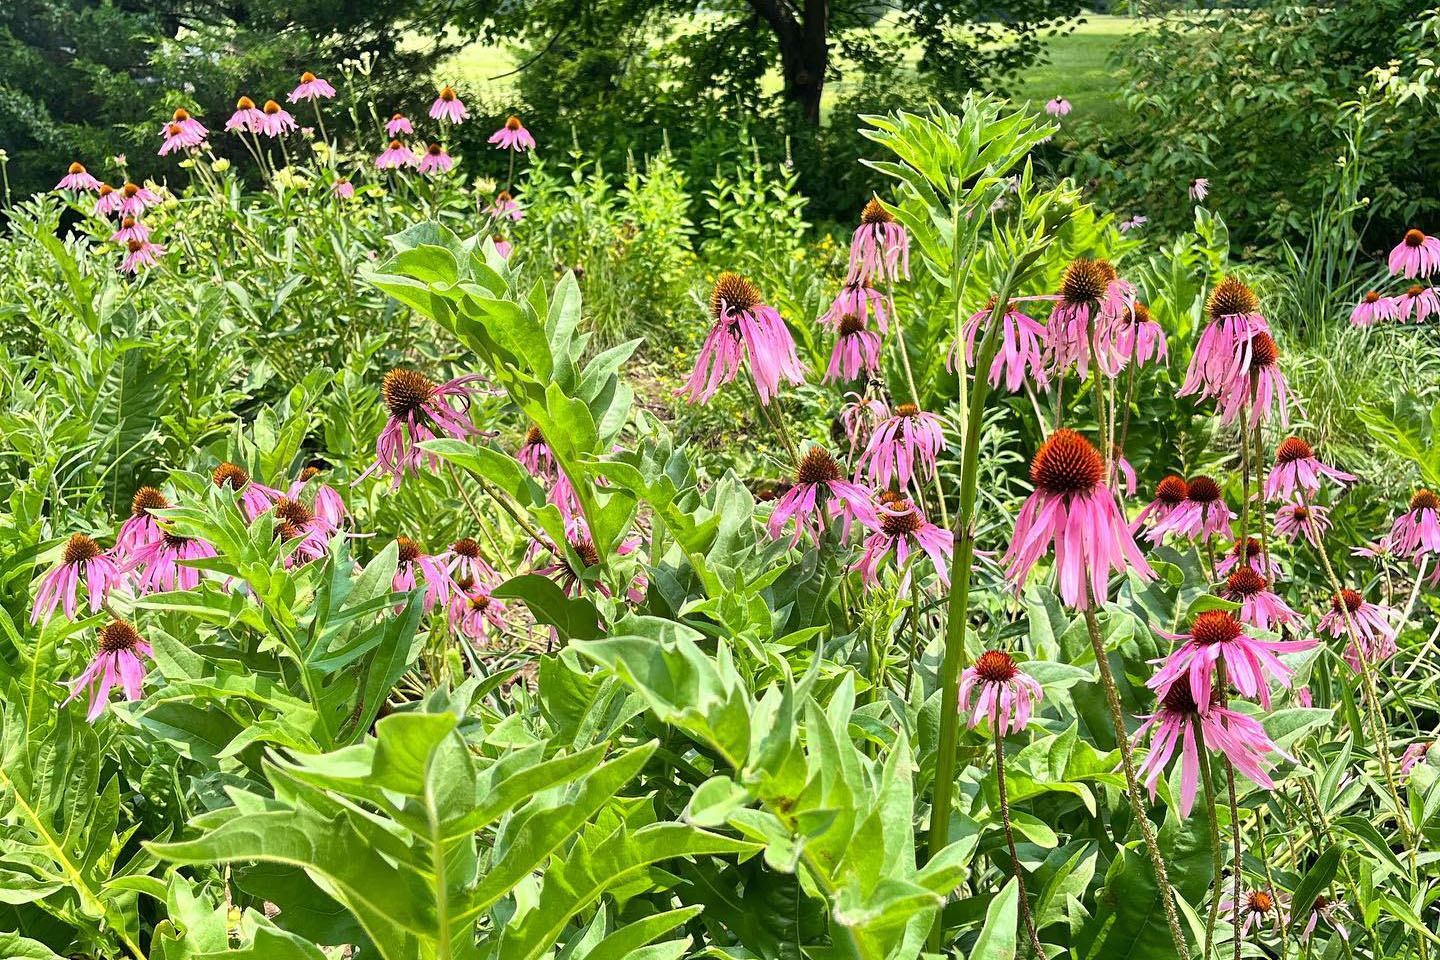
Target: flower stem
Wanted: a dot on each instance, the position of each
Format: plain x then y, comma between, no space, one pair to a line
1217,865
1010,838
1132,784
1235,866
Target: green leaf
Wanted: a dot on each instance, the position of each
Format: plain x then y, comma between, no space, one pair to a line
15,947
997,939
1312,885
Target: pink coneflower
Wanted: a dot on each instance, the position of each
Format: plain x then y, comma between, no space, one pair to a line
572,579
1216,636
1139,220
1421,301
503,248
1135,336
474,612
310,88
1021,349
140,527
1414,756
255,497
1169,494
117,663
1199,187
1259,907
880,248
858,299
246,117
1417,531
276,120
343,189
140,254
1075,511
108,201
130,229
135,199
1372,308
1122,474
537,456
1415,254
189,124
1297,466
177,138
903,446
397,125
512,136
447,106
1260,606
1304,697
904,531
305,533
1377,550
1333,912
1296,520
1203,513
1177,721
395,156
857,352
1264,388
1254,556
464,564
859,417
1007,694
412,566
504,207
745,328
1058,107
436,160
820,491
419,410
325,500
159,563
1371,622
78,179
82,561
1090,294
1223,353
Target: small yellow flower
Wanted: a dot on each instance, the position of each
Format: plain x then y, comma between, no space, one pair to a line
320,146
221,165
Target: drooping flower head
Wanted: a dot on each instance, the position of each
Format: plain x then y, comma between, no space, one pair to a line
1372,624
502,246
255,497
1074,510
78,179
1249,553
246,117
904,531
1259,909
275,120
820,493
1006,694
447,106
1217,636
1372,308
1416,532
413,565
135,199
903,446
1201,514
505,207
1333,911
1260,606
81,562
436,160
537,456
1058,107
1417,300
140,527
396,156
1021,349
116,663
1297,466
1263,387
311,87
306,534
1135,222
744,328
859,417
1416,254
856,353
1091,294
1169,494
324,499
858,299
140,254
1199,187
1223,353
1135,336
343,189
419,410
108,200
157,564
397,125
465,565
1308,520
512,136
130,229
189,124
474,612
880,247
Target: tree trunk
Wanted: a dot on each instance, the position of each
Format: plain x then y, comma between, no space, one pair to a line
804,49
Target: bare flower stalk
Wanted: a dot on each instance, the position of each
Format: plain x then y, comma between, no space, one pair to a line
1010,841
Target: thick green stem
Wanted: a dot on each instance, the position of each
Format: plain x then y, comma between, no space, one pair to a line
1217,865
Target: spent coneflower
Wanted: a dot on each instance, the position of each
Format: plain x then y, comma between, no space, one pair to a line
880,247
1217,636
1415,254
1373,308
1134,336
512,136
306,534
744,328
447,106
255,497
1223,353
158,565
420,410
1262,387
1333,911
1021,350
537,456
396,156
1004,694
78,179
1073,510
311,88
397,125
903,446
140,254
1296,466
1260,606
116,663
1418,301
1416,532
1091,294
247,117
859,417
820,492
343,189
1308,520
856,353
81,562
436,160
903,530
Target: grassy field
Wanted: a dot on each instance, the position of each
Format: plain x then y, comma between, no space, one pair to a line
1076,68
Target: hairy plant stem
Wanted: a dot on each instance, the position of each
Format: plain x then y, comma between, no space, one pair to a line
915,650
1217,864
1264,502
904,350
1010,838
1269,874
1236,865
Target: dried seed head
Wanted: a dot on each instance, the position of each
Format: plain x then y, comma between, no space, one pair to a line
406,392
80,548
734,294
817,466
995,666
1214,626
147,499
117,636
1292,449
1066,463
1231,297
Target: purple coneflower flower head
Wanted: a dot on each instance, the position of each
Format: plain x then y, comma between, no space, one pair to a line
246,117
1254,556
820,493
177,137
1217,636
465,566
1258,908
1090,294
1135,336
512,136
1223,352
537,456
419,410
1058,107
311,87
325,499
1297,467
1072,509
140,528
571,578
745,328
904,531
503,247
1122,474
1417,300
140,254
856,353
1372,623
343,189
189,124
880,248
903,446
1260,607
1139,220
1199,187
1414,756
859,417
1178,724
81,562
305,533
1263,386
504,207
1332,911
130,229
159,565
1021,349
135,199
1169,494
858,299
1296,520
473,613
117,663
78,179
395,156
1373,308
108,200
1416,532
436,160
1304,697
447,106
1202,513
255,497
1416,254
412,566
397,125
1004,694
275,120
